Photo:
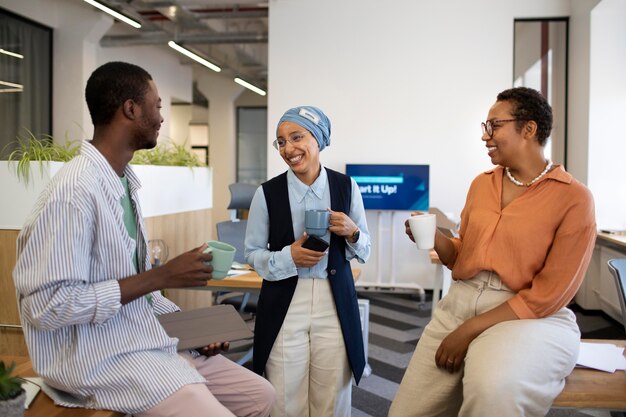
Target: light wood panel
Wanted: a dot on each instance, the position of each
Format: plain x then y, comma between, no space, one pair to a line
11,340
182,232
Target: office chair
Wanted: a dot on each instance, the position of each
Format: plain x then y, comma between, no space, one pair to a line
618,270
233,231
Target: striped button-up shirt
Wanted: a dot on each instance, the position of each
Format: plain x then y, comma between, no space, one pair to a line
72,251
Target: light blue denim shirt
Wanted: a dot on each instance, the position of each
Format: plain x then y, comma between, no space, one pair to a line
275,266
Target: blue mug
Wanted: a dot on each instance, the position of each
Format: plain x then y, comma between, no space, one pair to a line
316,222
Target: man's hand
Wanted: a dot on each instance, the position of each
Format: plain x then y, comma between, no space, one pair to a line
188,269
214,349
303,257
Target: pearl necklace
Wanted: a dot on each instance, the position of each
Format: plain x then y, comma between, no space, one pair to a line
527,184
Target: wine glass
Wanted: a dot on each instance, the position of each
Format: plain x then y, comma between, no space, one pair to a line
158,252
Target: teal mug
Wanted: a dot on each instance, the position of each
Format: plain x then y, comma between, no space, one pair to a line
223,256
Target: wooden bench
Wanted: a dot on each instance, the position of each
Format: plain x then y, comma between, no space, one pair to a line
589,388
42,405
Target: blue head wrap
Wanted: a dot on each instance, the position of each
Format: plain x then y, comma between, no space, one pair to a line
312,119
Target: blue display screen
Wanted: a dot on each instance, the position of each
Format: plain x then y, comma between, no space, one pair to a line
392,187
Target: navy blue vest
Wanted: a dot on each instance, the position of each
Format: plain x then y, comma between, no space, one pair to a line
276,296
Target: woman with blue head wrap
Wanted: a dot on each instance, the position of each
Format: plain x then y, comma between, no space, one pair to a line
307,337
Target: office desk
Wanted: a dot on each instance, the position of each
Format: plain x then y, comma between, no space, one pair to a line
589,388
42,405
249,282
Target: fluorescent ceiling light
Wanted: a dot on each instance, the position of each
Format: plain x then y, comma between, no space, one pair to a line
250,86
113,13
193,56
13,54
12,87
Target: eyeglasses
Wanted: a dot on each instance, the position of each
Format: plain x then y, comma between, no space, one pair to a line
490,125
294,139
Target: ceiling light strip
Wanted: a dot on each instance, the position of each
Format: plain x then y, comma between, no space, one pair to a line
115,14
250,86
13,54
193,56
12,90
11,84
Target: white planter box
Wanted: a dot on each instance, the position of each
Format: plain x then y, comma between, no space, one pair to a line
165,190
168,190
18,198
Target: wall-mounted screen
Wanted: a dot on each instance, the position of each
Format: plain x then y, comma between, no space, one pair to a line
392,187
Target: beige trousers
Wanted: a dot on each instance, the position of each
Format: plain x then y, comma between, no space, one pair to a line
231,390
308,364
515,368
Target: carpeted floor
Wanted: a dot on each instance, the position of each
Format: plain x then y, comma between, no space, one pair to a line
396,323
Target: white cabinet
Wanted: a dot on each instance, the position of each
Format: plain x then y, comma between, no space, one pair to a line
598,291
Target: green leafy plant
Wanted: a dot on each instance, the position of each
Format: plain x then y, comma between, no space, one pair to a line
29,147
171,154
10,386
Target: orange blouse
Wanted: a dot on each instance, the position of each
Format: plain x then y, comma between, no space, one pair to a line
540,244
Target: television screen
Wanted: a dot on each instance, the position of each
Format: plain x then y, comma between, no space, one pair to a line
392,187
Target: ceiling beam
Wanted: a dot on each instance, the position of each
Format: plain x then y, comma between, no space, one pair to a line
152,38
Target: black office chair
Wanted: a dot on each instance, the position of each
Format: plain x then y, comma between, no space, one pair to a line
618,270
233,231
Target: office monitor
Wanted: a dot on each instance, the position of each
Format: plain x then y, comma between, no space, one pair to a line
392,187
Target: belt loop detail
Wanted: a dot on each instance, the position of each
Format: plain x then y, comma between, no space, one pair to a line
494,281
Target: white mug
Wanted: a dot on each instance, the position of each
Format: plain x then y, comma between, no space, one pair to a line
423,227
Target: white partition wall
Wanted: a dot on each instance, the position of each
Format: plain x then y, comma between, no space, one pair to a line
607,103
403,82
406,82
395,262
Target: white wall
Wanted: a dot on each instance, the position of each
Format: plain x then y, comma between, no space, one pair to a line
409,82
607,140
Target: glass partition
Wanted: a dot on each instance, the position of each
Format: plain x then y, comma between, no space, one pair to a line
25,79
540,62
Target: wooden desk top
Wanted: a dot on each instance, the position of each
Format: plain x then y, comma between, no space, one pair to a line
590,388
617,239
42,405
250,281
434,258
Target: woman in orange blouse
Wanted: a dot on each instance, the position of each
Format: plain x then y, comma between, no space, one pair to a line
502,340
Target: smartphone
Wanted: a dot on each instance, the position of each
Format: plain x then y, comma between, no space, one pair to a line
315,243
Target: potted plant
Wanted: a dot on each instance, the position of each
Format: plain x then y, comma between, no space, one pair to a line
29,149
12,395
173,179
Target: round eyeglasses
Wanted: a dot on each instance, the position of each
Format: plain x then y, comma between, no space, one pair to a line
294,139
490,125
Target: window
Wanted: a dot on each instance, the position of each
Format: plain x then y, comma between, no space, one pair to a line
25,79
251,145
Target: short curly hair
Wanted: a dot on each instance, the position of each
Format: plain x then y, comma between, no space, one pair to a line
529,105
110,85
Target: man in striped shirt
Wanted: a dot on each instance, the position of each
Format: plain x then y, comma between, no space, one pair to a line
88,298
